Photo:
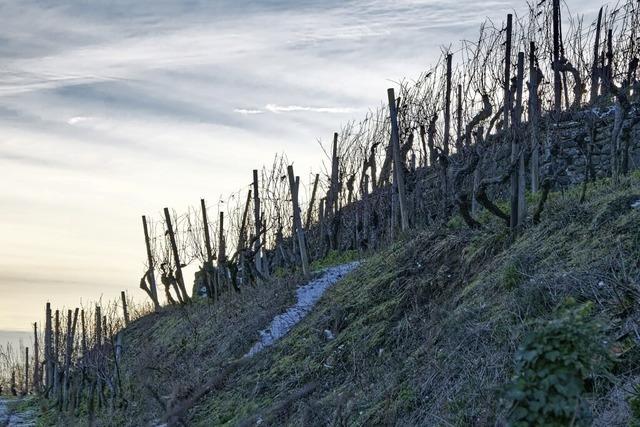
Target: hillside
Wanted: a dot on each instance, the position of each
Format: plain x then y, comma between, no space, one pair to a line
435,330
490,209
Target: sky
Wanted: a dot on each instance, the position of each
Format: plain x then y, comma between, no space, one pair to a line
114,109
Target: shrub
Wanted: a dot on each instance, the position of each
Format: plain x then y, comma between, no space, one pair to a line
553,365
512,277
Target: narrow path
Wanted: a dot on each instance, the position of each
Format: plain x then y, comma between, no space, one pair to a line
307,296
8,418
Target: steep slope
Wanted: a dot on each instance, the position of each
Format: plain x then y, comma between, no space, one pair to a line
427,331
442,328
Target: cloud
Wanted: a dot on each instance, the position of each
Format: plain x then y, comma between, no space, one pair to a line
111,110
78,119
294,108
247,112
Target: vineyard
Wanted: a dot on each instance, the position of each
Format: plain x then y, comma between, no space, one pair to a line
535,104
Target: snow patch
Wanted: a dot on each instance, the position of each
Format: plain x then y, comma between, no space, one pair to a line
9,419
636,204
307,296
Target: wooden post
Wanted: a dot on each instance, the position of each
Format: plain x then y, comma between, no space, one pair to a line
98,326
67,360
207,243
333,186
221,241
297,223
397,166
307,223
125,311
321,220
609,56
257,221
151,272
71,331
243,224
222,273
26,370
595,72
447,108
56,353
459,121
13,386
83,342
507,76
557,82
176,257
48,349
521,180
205,223
36,359
533,117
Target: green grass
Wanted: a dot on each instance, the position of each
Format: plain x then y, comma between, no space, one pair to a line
334,258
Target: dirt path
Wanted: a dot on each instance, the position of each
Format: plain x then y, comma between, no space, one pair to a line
10,418
307,296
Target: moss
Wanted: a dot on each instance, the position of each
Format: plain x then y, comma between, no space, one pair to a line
456,223
334,258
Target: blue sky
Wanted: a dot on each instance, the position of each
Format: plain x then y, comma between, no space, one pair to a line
113,110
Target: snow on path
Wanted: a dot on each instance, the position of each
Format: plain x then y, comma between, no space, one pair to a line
13,419
307,296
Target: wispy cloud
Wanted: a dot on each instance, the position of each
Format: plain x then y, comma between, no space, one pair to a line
274,108
77,120
295,108
246,111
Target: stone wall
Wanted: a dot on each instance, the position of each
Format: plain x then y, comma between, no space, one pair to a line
563,147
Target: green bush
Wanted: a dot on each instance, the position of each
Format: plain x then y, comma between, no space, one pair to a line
553,365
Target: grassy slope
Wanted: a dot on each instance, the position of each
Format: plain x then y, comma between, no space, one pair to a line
425,331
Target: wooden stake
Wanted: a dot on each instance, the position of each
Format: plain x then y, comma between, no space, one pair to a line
205,223
98,325
459,121
48,349
398,167
125,311
333,186
307,223
221,246
507,75
533,118
36,359
557,82
26,370
522,207
257,221
176,257
447,108
297,223
243,224
151,272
